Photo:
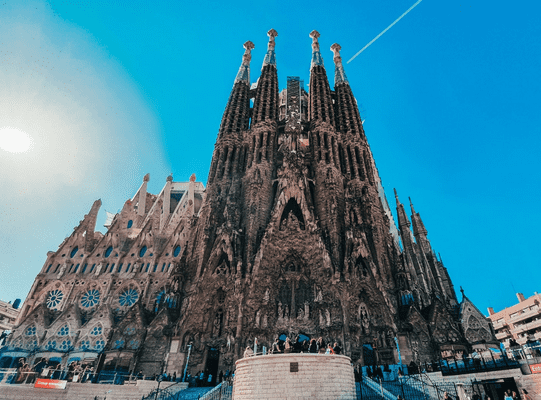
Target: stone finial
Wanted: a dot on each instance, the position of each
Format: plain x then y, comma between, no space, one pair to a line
247,57
315,44
169,178
192,178
411,206
339,73
271,34
146,178
270,57
244,70
335,48
316,54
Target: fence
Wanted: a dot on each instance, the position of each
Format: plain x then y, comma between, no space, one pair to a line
223,391
467,365
410,388
16,376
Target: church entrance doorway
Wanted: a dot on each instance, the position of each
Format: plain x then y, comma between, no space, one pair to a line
211,368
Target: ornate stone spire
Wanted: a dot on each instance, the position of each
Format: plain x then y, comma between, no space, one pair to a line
316,54
339,73
270,57
244,71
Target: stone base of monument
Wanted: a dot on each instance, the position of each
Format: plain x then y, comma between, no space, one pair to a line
294,377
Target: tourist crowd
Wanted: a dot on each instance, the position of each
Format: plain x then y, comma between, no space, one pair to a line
299,346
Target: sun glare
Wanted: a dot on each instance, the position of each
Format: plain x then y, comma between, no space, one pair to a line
14,140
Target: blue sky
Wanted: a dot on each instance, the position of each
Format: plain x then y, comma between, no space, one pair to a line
109,91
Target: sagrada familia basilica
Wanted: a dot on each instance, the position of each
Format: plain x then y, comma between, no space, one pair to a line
293,235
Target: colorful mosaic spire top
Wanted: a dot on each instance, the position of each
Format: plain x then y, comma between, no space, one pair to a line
316,54
339,73
244,71
270,57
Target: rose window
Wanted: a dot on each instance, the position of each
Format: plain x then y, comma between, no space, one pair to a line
51,345
31,331
64,331
65,345
100,344
54,298
32,344
128,297
96,331
90,298
130,330
119,344
453,337
134,344
440,338
85,344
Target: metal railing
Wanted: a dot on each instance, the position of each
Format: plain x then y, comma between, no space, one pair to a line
15,376
415,387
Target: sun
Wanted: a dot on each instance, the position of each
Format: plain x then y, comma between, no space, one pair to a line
14,140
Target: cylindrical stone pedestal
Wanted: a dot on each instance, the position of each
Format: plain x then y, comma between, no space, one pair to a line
294,377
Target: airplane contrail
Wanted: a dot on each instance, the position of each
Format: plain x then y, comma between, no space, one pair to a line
385,30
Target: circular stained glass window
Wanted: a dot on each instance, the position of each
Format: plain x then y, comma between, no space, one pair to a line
128,297
54,298
31,331
90,298
64,331
65,345
100,344
85,344
96,331
134,344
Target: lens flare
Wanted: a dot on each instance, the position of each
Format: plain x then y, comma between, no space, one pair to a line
14,140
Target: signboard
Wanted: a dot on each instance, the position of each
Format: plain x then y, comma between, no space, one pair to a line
50,384
535,368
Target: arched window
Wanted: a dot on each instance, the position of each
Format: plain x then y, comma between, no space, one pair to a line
74,251
142,251
108,251
176,251
130,223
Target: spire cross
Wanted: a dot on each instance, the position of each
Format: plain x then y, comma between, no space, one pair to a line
271,34
314,35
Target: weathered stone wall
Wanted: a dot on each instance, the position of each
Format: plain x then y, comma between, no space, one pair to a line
294,376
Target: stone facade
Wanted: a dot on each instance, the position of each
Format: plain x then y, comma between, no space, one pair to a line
292,235
294,377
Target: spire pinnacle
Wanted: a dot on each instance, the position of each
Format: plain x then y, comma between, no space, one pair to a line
339,73
396,196
270,57
244,71
411,206
316,54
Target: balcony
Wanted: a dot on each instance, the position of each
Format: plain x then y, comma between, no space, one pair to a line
524,315
526,327
502,335
498,325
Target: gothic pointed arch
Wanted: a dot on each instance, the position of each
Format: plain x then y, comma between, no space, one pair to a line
292,215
